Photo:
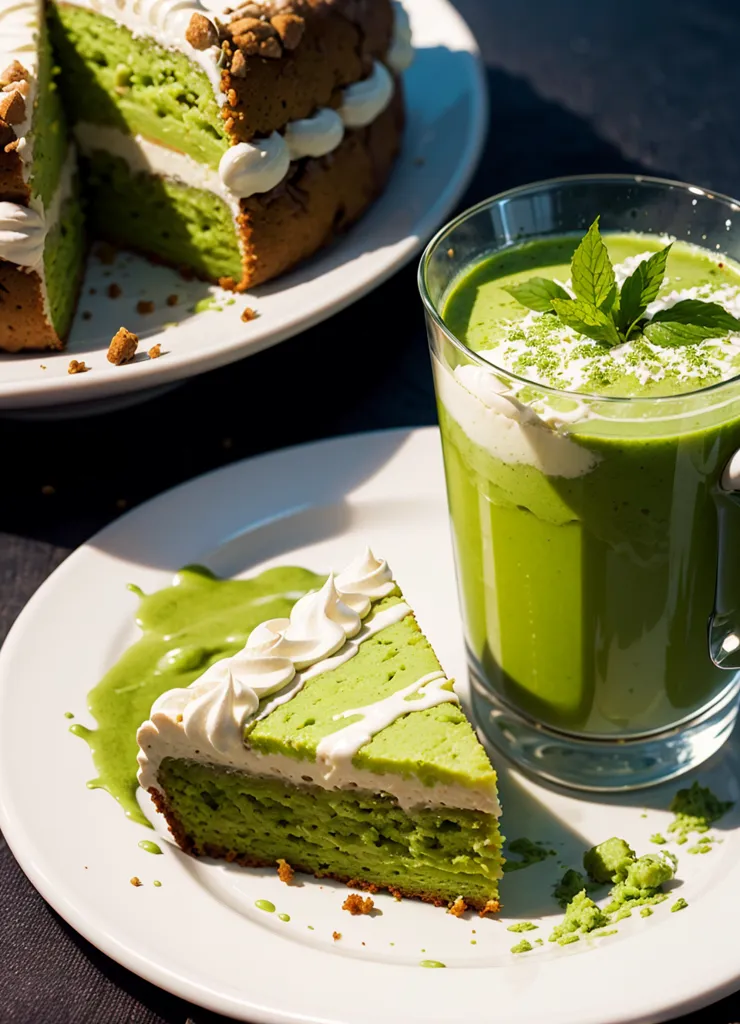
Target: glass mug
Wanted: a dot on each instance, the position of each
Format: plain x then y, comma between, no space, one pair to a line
597,540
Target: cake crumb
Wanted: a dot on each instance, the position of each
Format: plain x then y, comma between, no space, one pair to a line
356,905
285,871
172,300
12,107
458,908
239,65
144,306
15,72
155,352
249,314
201,33
290,28
450,253
136,881
114,290
491,907
336,936
122,347
106,253
47,490
87,315
42,365
77,366
121,503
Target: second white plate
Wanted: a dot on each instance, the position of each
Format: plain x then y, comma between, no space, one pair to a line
447,117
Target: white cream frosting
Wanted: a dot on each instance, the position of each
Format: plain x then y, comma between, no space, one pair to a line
364,101
337,750
315,136
208,720
249,168
401,53
20,23
22,235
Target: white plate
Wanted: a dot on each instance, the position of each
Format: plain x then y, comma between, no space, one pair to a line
200,934
447,118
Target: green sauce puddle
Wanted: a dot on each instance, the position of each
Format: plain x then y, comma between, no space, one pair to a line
185,628
431,963
283,917
149,846
269,908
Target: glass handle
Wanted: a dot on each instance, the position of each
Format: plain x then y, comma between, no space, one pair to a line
724,624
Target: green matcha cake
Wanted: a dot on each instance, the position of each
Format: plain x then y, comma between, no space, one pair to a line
231,143
333,741
41,234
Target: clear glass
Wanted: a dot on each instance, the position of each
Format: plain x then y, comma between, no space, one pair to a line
597,540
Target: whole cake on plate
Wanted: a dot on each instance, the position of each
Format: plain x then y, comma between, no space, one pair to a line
229,143
334,742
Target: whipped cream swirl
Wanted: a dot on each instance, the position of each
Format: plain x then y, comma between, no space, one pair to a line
315,136
251,167
22,235
401,53
364,101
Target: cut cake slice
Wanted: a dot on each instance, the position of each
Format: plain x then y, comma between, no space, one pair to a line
335,742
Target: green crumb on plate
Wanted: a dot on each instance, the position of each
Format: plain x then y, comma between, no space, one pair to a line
609,861
646,911
658,839
695,809
581,915
68,714
529,852
473,942
567,939
539,942
522,926
680,904
157,883
522,947
607,931
621,914
703,845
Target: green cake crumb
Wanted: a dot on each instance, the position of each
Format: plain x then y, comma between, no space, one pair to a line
522,947
530,853
609,861
567,939
695,810
642,883
582,915
522,926
646,911
658,839
539,942
680,904
571,883
607,931
703,845
622,914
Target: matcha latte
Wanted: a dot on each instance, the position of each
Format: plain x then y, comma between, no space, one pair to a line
589,407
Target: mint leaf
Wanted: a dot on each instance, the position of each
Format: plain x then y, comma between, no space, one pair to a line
591,270
694,312
587,319
641,288
536,292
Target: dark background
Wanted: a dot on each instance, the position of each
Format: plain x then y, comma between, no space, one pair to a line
576,86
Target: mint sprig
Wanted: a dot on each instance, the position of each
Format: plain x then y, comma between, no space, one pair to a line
605,313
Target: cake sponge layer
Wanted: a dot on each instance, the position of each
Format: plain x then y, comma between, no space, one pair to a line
437,854
50,138
160,217
64,254
110,77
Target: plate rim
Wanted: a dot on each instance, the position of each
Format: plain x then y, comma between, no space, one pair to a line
158,973
49,392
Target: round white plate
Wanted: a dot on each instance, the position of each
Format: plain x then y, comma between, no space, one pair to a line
447,118
200,935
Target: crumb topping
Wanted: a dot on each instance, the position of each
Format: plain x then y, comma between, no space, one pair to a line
122,348
76,366
285,871
357,905
249,314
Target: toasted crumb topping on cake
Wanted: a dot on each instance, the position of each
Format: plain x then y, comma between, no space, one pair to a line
123,345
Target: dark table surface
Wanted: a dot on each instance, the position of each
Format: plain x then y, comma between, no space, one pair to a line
576,86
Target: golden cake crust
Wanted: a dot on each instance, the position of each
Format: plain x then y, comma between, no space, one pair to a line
23,323
186,843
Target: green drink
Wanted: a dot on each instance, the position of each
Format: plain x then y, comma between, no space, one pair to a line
592,532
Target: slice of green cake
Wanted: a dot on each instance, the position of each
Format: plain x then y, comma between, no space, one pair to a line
335,742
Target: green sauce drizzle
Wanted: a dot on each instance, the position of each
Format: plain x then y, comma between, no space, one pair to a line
185,628
269,908
431,963
68,714
156,882
284,917
148,846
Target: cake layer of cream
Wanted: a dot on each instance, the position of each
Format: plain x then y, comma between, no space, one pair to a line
209,720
